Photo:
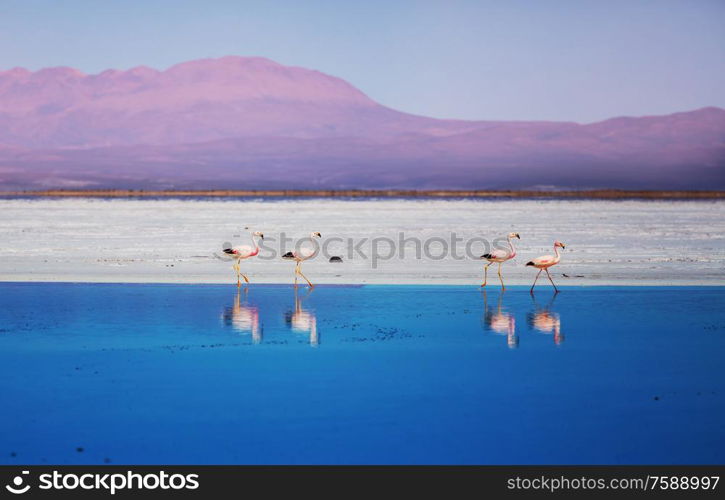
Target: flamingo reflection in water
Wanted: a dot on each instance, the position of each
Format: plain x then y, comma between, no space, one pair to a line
546,321
243,318
303,320
500,321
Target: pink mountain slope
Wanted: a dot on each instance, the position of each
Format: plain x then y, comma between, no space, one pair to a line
191,102
252,123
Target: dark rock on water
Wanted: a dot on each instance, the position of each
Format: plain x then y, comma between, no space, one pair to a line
335,258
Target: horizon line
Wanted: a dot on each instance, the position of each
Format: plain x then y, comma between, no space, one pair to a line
601,193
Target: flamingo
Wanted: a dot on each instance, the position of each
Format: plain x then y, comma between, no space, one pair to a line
500,255
302,255
242,252
544,262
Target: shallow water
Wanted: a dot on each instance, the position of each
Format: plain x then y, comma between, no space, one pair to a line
609,242
369,374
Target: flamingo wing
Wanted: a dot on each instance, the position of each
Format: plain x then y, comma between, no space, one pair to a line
544,260
244,251
302,254
500,254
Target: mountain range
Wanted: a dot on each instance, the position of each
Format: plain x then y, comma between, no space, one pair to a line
251,123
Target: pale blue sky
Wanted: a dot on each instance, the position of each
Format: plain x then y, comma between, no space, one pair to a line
557,60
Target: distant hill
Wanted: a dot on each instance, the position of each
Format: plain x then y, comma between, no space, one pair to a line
251,123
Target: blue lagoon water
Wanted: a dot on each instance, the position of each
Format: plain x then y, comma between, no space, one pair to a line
111,373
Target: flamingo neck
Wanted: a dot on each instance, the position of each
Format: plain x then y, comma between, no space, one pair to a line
513,250
255,244
556,253
315,250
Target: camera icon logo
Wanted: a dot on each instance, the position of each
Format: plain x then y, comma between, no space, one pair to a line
17,487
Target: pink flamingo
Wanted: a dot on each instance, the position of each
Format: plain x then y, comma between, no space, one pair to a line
500,255
544,262
302,255
242,252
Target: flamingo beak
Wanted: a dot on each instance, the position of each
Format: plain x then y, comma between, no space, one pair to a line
518,236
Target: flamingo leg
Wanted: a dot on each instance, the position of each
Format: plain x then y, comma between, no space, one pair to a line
535,279
485,273
500,277
552,281
236,268
299,271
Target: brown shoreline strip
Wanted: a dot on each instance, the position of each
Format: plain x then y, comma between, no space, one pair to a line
373,193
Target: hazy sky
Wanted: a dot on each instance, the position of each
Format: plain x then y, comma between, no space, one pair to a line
540,59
